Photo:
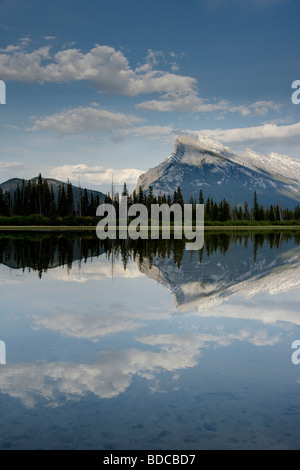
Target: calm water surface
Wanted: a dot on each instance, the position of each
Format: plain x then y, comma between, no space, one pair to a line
147,346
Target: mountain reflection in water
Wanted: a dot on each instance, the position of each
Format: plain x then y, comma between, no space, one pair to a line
96,364
229,262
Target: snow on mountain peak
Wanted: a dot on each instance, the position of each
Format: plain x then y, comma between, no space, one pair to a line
201,162
211,144
203,143
194,151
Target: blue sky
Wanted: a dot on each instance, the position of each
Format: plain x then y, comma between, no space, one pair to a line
102,88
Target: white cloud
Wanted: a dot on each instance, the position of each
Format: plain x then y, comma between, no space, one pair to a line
114,370
259,108
107,68
179,102
85,119
92,119
89,325
9,169
270,135
110,72
10,48
195,104
267,133
94,175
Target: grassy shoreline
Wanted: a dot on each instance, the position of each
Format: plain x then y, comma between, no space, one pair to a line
63,228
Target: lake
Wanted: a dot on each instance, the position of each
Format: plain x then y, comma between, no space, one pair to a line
145,345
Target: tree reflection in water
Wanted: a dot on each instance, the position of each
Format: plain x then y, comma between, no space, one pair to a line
40,251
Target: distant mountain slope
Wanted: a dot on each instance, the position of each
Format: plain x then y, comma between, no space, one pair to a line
220,172
11,185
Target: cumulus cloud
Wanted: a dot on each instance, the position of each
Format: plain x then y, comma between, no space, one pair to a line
104,66
9,169
93,119
118,126
109,71
114,370
90,325
85,119
267,133
195,104
94,174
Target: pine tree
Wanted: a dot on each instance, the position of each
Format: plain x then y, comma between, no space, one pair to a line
246,215
214,211
70,199
140,197
201,197
255,208
39,192
53,206
4,203
150,198
207,211
62,202
125,190
224,211
46,199
17,206
134,197
85,203
177,197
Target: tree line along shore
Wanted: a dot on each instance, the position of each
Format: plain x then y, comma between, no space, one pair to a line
35,203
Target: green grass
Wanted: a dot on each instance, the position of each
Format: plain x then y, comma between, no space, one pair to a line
38,222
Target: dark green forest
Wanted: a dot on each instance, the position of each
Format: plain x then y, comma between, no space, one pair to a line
35,203
38,197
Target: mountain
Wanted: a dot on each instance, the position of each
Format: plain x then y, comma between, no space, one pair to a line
203,163
12,184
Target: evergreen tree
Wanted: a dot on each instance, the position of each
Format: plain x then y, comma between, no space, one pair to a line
107,199
134,197
224,211
240,213
201,197
261,213
39,192
70,199
177,197
4,203
246,214
150,198
214,211
17,206
207,211
62,202
53,206
125,190
85,203
255,208
46,199
140,197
